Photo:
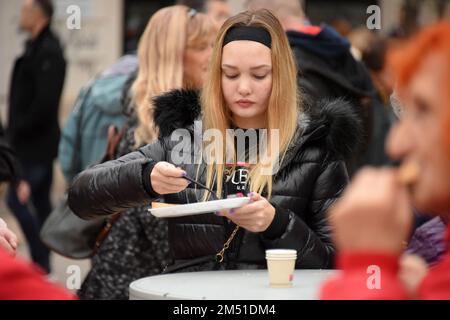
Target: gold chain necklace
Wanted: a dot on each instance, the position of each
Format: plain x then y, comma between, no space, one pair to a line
219,255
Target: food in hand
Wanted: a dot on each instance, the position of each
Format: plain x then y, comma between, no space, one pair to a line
156,205
408,173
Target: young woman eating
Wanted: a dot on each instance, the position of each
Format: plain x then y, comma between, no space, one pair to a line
250,86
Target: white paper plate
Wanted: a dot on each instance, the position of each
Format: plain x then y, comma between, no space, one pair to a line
199,207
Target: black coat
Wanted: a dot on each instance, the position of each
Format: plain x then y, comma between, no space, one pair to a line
9,167
36,86
311,176
327,70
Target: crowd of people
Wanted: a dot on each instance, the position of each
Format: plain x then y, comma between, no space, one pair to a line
352,151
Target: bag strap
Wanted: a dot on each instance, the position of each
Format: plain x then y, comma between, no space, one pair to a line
114,138
105,231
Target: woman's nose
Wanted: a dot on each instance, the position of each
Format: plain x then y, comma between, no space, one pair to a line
244,87
400,140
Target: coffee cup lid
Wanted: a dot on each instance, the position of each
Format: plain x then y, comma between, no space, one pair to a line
281,252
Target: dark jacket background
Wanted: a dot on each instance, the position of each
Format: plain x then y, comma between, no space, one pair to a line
311,177
9,166
327,69
36,86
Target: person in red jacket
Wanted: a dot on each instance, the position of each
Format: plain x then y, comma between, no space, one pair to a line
373,219
20,280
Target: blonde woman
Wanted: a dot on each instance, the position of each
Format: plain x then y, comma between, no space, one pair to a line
250,87
174,52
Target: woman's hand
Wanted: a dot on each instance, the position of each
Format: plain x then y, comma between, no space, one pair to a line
413,270
166,178
8,240
374,214
255,216
23,191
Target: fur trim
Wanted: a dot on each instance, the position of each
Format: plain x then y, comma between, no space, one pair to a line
176,109
333,121
343,126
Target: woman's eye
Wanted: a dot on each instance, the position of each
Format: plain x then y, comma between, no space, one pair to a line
259,77
231,76
421,107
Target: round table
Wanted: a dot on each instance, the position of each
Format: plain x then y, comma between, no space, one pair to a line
227,285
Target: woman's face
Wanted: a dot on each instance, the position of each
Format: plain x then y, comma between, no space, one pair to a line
247,81
419,136
196,61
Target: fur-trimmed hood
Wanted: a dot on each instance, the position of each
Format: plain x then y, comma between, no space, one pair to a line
333,123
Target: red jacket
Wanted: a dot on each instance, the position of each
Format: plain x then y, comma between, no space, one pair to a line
22,281
352,283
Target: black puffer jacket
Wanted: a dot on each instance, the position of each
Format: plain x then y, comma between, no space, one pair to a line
311,176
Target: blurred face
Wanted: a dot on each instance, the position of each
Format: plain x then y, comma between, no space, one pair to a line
219,12
247,82
418,137
196,61
27,15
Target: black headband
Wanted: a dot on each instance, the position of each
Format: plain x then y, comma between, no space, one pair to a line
256,34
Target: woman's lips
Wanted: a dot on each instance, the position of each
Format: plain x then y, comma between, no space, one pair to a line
245,103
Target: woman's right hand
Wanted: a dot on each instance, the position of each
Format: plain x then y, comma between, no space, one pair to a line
166,178
8,240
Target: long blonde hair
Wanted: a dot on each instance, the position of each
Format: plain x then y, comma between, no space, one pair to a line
160,52
283,109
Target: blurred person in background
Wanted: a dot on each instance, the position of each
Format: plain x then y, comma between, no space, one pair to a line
33,132
21,281
217,10
84,137
426,236
427,232
174,57
373,49
18,279
407,20
10,172
327,69
370,228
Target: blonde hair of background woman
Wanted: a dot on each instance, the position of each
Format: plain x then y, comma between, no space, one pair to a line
283,109
161,50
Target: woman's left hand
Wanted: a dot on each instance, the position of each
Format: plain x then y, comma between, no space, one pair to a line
256,216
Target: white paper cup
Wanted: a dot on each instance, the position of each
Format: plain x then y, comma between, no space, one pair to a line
281,266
